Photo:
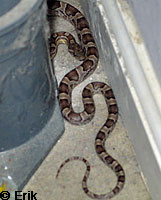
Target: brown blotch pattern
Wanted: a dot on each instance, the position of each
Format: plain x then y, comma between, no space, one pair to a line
92,51
116,190
87,38
99,149
118,168
109,94
89,108
88,168
87,64
64,103
70,10
52,5
63,88
109,123
121,178
82,23
84,160
113,109
70,37
73,75
109,159
84,179
86,93
85,190
100,135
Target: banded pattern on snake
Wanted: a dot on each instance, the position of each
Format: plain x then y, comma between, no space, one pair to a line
86,51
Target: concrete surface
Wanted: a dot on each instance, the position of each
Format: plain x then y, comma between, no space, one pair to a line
79,141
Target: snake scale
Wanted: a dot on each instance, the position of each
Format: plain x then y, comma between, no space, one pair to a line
88,53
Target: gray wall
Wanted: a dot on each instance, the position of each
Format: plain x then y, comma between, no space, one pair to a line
148,16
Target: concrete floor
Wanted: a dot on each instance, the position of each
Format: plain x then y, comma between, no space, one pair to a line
79,141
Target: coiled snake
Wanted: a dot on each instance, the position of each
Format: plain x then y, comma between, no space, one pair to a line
86,51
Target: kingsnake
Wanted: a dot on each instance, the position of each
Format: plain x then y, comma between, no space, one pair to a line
86,51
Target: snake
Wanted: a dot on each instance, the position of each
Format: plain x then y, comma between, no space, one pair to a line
87,52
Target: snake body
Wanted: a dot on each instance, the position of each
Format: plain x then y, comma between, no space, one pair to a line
86,51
